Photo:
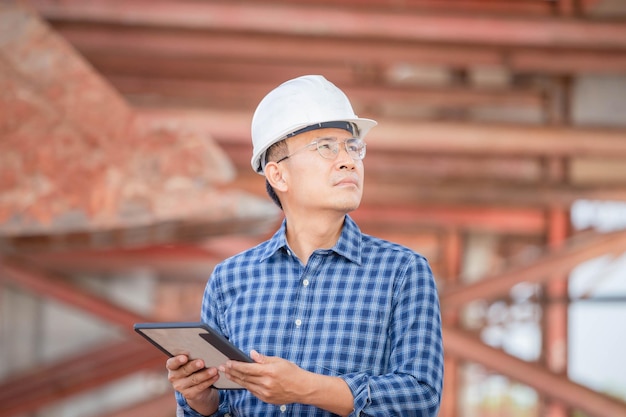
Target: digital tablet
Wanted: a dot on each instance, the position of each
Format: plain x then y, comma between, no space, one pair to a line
196,340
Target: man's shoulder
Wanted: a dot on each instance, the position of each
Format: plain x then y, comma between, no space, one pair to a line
255,253
380,245
246,254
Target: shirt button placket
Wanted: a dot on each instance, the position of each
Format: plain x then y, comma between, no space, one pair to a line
305,284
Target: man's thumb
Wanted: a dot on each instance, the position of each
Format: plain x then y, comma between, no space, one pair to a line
257,357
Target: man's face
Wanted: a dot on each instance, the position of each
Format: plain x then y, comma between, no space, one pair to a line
318,183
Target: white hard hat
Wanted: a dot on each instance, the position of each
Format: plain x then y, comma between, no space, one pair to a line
300,104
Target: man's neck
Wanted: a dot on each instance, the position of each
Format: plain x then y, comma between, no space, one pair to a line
305,234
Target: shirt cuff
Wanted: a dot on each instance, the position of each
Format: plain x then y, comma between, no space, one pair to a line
184,410
359,385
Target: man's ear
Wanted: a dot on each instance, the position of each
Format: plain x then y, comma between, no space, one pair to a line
275,175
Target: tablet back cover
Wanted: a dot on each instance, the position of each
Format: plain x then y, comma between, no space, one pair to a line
197,341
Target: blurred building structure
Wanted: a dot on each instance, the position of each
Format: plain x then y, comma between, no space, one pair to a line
125,176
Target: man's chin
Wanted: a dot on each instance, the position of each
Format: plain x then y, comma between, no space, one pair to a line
348,207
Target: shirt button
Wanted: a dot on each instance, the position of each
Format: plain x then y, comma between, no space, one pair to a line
298,322
305,282
283,408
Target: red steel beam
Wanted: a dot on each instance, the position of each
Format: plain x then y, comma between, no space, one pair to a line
316,20
46,384
47,285
505,220
453,254
473,139
555,263
466,347
419,168
94,38
555,317
192,229
534,7
219,92
481,194
182,261
566,61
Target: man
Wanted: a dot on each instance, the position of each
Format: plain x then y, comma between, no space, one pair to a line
337,322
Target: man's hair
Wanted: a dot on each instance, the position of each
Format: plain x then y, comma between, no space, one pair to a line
274,153
272,194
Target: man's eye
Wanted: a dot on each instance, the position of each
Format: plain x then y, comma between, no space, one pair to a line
354,145
325,145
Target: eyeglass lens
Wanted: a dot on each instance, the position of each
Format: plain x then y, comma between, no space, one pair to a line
329,148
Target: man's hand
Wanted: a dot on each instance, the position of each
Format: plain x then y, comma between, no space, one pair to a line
278,381
194,382
271,379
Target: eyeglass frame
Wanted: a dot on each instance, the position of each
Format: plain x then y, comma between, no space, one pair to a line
336,142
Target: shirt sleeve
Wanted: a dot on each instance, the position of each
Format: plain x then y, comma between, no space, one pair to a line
208,314
414,384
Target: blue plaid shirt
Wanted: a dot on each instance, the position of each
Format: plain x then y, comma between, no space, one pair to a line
366,310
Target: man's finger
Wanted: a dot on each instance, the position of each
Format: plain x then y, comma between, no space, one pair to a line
176,362
194,366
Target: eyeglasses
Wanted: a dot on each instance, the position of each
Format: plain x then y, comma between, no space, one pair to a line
328,148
